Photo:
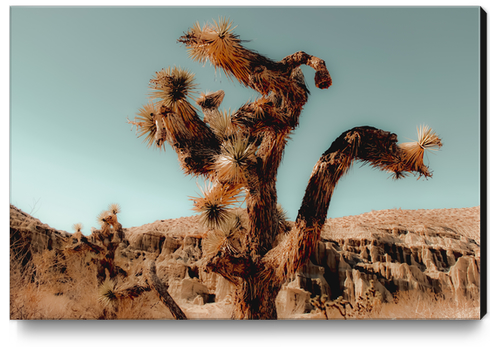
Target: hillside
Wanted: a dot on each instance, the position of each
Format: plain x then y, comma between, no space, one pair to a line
464,221
397,254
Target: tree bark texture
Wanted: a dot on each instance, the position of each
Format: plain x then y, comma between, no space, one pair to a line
162,290
260,268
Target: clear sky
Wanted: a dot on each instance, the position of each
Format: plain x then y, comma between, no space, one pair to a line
78,73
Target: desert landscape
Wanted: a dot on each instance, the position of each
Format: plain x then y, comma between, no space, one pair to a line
391,264
240,256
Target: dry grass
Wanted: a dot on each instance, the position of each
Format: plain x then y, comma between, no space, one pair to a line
408,305
416,305
56,286
50,287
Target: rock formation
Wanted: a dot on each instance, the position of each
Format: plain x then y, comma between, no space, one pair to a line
431,251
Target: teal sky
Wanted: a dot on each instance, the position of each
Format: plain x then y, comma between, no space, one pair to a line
78,73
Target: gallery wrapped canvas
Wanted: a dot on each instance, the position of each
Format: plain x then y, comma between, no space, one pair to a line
401,243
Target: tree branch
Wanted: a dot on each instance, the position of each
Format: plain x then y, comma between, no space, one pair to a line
162,290
231,266
322,76
367,144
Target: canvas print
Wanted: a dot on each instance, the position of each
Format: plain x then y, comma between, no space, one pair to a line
289,163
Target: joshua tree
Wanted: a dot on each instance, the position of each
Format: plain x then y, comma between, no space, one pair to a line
239,154
77,227
111,235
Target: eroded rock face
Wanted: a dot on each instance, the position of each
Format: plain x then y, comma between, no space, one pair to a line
150,242
424,254
29,235
431,258
395,255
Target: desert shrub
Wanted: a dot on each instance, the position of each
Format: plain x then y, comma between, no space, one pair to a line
64,284
412,304
415,304
53,285
366,305
324,305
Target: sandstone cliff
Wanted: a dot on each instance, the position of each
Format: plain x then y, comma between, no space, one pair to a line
430,251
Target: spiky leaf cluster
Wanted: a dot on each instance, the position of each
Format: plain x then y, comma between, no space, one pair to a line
114,208
219,238
237,153
108,294
282,217
77,227
221,125
102,218
215,203
217,43
146,125
108,218
413,152
171,87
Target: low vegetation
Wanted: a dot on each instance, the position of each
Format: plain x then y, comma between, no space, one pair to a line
81,279
67,283
405,305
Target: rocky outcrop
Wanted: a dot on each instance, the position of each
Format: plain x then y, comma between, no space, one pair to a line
29,235
429,255
436,251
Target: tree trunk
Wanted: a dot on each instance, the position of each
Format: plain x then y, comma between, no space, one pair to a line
162,290
255,299
258,269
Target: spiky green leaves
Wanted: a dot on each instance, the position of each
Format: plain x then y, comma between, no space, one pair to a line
215,203
171,88
237,154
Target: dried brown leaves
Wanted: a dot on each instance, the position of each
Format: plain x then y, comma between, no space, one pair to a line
171,88
413,152
215,204
237,154
217,43
145,123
